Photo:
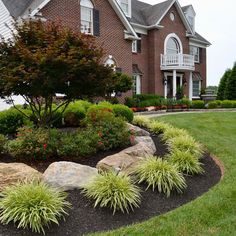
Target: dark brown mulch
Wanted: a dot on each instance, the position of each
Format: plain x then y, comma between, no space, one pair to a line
83,218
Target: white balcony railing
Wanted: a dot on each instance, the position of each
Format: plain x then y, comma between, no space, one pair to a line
177,61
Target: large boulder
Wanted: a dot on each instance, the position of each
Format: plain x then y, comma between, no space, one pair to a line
12,173
68,175
138,131
146,140
126,160
120,162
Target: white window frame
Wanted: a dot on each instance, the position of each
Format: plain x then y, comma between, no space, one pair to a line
135,46
137,89
86,5
128,4
173,35
200,87
196,55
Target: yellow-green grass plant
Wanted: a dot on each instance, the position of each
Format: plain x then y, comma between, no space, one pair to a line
141,121
158,127
32,205
186,162
173,132
161,175
115,191
186,143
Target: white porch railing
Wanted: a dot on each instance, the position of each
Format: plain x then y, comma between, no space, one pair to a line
177,61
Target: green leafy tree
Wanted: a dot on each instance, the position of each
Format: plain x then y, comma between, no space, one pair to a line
222,85
43,59
230,90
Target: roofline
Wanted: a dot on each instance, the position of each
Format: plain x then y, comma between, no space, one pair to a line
115,7
181,15
200,41
147,27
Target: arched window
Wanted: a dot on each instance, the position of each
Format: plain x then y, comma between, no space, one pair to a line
110,62
172,46
86,16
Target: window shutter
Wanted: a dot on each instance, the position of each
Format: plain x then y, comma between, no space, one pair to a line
96,23
119,70
139,50
200,55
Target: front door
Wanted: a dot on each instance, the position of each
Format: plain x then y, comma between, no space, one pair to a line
170,85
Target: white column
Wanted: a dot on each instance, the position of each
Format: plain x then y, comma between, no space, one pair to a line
190,86
165,87
181,81
174,83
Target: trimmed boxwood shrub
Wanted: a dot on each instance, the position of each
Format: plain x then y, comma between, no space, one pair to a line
212,105
227,104
3,141
123,111
10,121
198,104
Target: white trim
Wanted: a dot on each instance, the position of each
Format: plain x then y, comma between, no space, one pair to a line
129,14
182,16
198,41
166,74
42,5
196,44
173,35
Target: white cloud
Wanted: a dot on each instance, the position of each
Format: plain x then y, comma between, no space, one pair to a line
215,21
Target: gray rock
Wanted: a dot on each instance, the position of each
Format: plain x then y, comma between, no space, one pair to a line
147,141
69,175
13,173
138,131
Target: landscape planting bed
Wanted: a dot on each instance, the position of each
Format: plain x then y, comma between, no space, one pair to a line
83,218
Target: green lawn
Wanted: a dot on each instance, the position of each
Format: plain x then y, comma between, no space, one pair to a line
214,213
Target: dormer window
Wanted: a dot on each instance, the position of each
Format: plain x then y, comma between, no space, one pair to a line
86,12
125,6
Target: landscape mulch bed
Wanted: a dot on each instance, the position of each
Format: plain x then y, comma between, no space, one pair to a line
84,218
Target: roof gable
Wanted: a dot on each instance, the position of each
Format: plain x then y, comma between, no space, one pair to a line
16,7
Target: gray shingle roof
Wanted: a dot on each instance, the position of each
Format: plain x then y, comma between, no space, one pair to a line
199,37
146,14
185,8
16,7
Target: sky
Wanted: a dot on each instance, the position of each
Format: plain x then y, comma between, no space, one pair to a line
215,21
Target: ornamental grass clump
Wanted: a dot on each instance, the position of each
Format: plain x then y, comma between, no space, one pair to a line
173,132
186,162
158,127
186,144
32,205
161,175
141,121
117,192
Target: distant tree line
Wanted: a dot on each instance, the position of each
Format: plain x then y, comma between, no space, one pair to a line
227,86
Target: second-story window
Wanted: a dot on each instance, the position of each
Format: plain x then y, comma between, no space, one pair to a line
86,14
196,53
134,46
124,4
172,46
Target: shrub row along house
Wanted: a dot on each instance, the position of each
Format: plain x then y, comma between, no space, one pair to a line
156,44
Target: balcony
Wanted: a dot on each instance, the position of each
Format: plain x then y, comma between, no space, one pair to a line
177,62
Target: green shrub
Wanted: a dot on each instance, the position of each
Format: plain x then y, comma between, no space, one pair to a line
32,205
172,132
186,162
78,144
33,143
113,131
123,111
234,104
117,192
131,102
160,175
219,102
186,143
198,104
145,97
212,105
227,104
10,121
3,142
158,127
74,114
141,121
184,101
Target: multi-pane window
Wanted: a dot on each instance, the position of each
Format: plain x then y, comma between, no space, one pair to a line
124,4
196,88
172,46
86,11
195,52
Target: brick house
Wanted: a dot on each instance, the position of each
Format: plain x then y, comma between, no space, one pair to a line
156,44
